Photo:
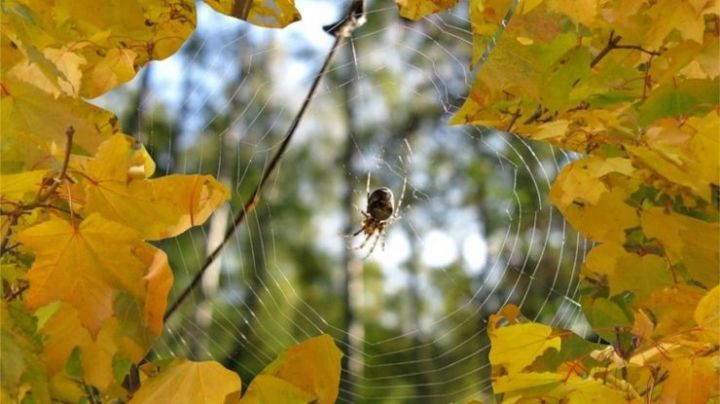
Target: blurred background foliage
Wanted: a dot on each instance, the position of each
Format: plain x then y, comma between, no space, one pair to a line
476,232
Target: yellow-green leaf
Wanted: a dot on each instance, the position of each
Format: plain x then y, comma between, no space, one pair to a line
627,271
23,373
27,132
516,346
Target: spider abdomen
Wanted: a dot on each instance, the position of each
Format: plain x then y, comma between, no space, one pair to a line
380,204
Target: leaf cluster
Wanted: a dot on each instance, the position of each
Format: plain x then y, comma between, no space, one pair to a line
84,292
633,86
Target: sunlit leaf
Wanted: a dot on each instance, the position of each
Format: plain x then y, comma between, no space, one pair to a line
23,186
673,308
157,208
686,240
22,368
265,13
105,50
691,380
27,131
581,12
525,381
266,389
707,313
64,332
689,97
516,346
625,271
313,366
598,210
85,264
417,9
189,382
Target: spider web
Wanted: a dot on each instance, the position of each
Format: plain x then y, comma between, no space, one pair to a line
476,230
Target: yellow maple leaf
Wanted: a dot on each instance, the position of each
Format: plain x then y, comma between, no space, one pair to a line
313,366
625,271
23,186
707,313
673,307
516,346
599,211
63,332
417,9
581,12
266,389
93,48
116,68
274,14
521,381
85,264
691,380
183,381
686,240
24,112
157,208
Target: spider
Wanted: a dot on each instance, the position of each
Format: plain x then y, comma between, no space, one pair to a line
381,212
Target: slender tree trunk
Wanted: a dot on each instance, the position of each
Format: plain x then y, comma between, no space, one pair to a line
352,283
219,220
421,349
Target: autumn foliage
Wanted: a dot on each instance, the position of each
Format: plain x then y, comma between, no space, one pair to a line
632,86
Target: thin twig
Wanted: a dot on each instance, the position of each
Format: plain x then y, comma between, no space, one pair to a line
352,19
42,196
637,47
514,118
612,44
647,80
69,133
14,294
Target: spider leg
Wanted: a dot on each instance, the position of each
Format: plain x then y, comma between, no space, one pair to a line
361,246
382,245
356,233
402,196
367,186
374,244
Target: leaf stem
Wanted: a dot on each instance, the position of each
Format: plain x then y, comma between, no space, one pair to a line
354,17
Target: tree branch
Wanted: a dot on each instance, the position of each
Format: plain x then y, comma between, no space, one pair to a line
354,17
